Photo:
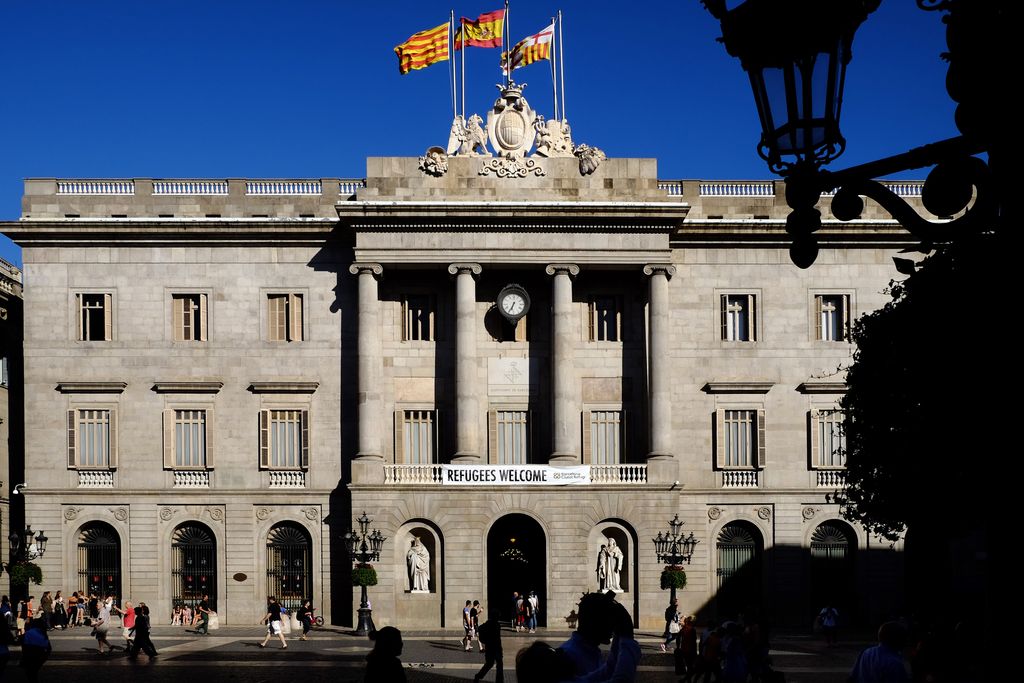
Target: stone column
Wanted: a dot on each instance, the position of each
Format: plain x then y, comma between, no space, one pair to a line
368,465
661,466
467,382
565,413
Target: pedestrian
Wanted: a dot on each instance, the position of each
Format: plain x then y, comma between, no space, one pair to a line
534,611
6,640
6,612
46,607
73,610
127,623
141,633
35,649
829,617
24,613
306,617
474,614
203,614
273,621
515,611
383,664
490,641
467,624
100,626
686,649
883,663
60,614
672,625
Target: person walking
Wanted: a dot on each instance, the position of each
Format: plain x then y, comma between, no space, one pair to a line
883,663
273,621
141,633
474,614
60,614
467,624
305,616
203,613
829,617
383,664
672,625
35,649
46,607
127,623
490,642
534,611
100,626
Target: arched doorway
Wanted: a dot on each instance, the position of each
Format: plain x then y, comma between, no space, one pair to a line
516,562
194,570
739,548
99,560
833,576
289,566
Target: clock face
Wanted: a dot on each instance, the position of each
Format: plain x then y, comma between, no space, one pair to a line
513,303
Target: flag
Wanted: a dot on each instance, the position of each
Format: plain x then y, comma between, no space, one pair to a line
486,31
530,49
423,49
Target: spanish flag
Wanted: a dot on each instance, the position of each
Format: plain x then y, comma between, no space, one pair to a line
423,49
530,49
486,31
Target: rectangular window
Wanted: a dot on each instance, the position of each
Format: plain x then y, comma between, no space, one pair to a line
833,317
284,439
512,437
188,439
417,318
95,317
605,319
740,439
190,316
830,439
606,437
92,439
739,317
284,317
418,436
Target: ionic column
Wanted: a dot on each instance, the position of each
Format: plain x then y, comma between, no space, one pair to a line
565,412
367,466
659,371
467,402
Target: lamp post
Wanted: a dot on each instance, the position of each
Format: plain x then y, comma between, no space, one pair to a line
25,547
795,53
364,547
673,548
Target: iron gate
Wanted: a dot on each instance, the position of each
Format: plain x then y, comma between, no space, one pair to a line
99,560
289,570
195,565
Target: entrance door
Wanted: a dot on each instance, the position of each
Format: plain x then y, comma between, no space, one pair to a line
289,571
195,565
99,560
516,562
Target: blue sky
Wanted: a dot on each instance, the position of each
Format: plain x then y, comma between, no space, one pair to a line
310,88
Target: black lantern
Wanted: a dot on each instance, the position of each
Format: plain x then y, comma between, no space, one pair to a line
25,547
673,548
364,547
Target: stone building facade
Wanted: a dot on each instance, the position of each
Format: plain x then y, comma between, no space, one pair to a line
220,375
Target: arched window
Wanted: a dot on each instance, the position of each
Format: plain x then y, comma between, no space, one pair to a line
289,569
99,560
738,547
833,576
194,572
829,542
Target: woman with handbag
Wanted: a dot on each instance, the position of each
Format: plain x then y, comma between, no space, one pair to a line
672,625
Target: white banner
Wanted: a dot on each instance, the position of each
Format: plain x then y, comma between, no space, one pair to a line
514,475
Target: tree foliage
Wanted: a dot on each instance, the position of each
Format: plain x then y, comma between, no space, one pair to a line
922,421
673,577
23,572
364,575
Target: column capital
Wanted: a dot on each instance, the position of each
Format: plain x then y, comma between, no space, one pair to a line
667,268
363,267
473,268
570,268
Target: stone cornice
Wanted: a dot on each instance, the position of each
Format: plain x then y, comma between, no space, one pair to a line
91,387
738,387
278,387
478,212
822,387
191,387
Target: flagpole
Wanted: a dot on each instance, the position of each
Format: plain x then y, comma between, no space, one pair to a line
451,62
462,34
554,74
561,62
508,48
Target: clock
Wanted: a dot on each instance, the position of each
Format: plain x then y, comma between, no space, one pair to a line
513,303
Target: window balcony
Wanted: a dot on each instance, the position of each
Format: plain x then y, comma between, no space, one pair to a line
427,475
740,479
287,479
191,479
95,479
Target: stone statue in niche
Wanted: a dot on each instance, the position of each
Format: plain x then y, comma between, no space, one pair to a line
609,566
418,560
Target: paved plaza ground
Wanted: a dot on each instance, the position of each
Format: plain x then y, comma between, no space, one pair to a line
231,654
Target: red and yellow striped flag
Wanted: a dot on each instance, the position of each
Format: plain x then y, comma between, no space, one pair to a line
530,49
423,49
486,31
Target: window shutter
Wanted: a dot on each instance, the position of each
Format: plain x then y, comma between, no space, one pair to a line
169,439
591,322
72,453
202,321
761,461
528,459
620,309
112,459
752,331
724,304
295,331
588,446
264,427
814,420
431,301
720,437
623,437
406,323
81,322
209,437
435,457
845,332
520,331
492,436
178,318
108,317
399,437
304,417
818,331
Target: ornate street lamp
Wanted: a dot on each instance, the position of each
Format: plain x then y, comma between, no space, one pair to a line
796,52
673,549
25,547
364,548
